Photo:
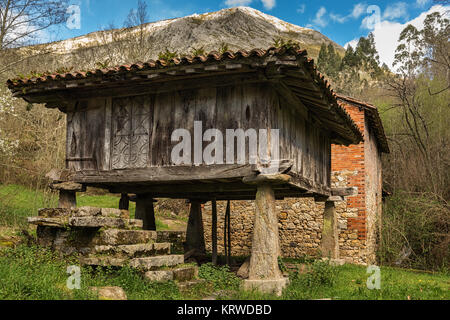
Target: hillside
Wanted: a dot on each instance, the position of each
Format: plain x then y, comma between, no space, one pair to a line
237,28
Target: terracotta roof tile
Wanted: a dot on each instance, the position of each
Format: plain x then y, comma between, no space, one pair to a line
374,120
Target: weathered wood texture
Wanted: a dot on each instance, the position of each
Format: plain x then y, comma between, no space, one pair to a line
145,211
110,135
195,237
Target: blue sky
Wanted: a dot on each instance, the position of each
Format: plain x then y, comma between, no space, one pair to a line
342,20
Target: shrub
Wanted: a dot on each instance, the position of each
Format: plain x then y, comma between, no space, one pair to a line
415,232
320,274
220,276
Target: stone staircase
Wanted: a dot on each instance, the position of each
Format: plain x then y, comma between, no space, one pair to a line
108,237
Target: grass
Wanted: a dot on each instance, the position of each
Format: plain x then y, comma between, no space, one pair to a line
17,203
38,274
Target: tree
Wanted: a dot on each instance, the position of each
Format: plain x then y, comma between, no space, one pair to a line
138,18
334,62
350,59
322,60
21,20
421,89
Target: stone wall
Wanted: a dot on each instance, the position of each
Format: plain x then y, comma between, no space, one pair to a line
300,220
300,226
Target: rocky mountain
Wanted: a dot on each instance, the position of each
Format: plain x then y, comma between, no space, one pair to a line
238,28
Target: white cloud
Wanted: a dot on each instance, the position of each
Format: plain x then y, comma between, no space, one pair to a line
269,4
319,19
422,3
358,10
387,33
338,18
237,3
396,10
301,9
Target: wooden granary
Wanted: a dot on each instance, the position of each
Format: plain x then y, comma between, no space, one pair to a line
124,123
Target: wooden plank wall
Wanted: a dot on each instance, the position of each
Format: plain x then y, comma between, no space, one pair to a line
135,132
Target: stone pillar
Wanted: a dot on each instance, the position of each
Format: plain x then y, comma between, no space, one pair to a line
330,235
195,238
264,272
67,193
145,211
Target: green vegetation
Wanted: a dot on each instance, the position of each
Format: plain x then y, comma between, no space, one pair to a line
351,73
36,273
167,55
18,203
220,276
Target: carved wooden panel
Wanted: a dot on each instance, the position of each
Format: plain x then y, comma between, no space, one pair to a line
130,133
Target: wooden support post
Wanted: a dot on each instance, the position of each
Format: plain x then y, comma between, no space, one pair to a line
227,237
264,272
124,203
195,238
145,211
330,241
214,231
67,199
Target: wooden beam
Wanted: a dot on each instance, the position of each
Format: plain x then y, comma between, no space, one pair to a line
165,174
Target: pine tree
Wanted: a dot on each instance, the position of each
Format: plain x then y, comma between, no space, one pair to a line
350,59
322,60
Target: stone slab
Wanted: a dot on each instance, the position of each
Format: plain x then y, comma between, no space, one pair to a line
188,285
68,186
124,237
104,261
104,222
274,286
54,212
49,222
109,293
179,274
150,263
134,250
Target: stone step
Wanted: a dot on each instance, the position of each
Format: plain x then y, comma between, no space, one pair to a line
134,250
176,238
83,212
125,237
104,261
189,285
86,222
147,263
104,222
151,263
178,274
59,222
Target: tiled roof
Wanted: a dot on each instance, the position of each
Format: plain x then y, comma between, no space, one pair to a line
152,64
374,120
32,87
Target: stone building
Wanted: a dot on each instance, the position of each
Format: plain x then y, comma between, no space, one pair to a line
301,219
